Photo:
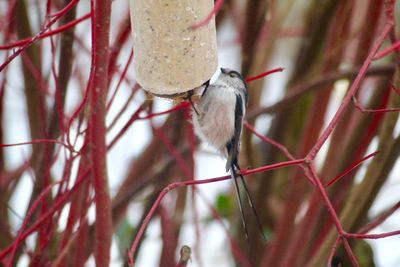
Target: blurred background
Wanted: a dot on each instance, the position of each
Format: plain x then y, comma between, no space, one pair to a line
47,181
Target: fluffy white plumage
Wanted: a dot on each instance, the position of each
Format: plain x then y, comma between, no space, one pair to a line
215,123
218,118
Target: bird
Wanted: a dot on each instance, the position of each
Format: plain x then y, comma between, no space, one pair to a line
217,119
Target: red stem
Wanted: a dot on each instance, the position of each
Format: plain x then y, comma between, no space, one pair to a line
101,11
123,74
350,169
381,218
387,51
332,252
174,108
256,77
350,253
32,208
50,212
172,186
183,165
132,119
353,89
279,146
62,28
37,36
41,141
334,216
371,236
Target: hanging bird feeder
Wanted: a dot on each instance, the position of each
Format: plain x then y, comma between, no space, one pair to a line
171,57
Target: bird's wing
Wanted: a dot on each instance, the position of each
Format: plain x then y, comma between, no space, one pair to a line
233,145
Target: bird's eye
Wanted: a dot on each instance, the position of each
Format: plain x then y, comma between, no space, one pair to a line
232,74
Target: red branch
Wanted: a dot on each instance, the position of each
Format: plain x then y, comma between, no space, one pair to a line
183,165
333,214
350,169
62,28
173,186
256,77
48,214
28,215
101,11
380,219
333,249
350,253
381,110
280,147
353,89
387,51
396,90
174,108
41,141
37,36
371,236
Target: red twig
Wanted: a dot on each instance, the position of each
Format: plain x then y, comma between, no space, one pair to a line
371,236
268,140
174,108
280,147
256,77
101,11
124,107
28,215
78,110
333,215
37,36
183,165
326,200
353,89
378,220
62,28
350,168
381,110
393,87
387,51
350,253
41,141
131,120
333,250
123,74
50,212
172,186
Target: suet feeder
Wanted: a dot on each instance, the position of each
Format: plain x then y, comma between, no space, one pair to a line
171,56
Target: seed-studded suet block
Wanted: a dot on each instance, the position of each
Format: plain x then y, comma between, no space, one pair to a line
170,55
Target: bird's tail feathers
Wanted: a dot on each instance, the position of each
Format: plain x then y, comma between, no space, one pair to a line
239,198
235,171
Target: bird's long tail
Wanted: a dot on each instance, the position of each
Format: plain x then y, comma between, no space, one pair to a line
239,198
234,168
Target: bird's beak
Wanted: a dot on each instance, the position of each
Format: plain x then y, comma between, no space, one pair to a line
224,71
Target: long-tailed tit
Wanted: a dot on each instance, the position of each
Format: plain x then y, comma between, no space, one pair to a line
218,120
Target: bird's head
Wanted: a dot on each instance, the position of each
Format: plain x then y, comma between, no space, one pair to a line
234,79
